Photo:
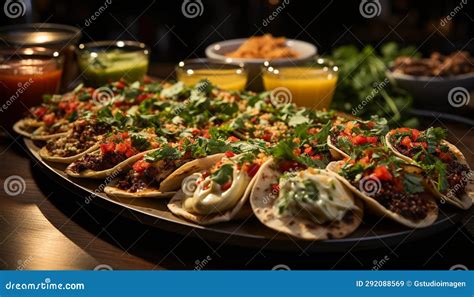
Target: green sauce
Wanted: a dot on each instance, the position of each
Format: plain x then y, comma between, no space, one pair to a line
100,68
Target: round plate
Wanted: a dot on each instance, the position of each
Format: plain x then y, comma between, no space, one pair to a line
251,233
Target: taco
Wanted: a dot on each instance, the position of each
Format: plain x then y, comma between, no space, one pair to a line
219,193
349,138
151,177
82,139
115,153
308,203
389,186
451,179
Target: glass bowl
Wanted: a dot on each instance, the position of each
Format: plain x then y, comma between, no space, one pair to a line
103,62
227,76
311,84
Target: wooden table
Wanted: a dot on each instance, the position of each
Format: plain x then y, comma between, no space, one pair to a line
49,227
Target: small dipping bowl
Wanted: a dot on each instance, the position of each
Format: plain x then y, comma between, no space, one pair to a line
227,76
104,62
309,85
25,76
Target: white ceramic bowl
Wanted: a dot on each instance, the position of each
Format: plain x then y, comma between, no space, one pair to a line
217,51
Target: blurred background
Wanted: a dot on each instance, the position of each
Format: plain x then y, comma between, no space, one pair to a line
327,24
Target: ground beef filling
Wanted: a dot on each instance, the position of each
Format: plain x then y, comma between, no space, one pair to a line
150,178
414,207
456,174
98,162
455,171
136,182
82,138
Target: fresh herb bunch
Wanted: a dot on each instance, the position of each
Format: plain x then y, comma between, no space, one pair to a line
363,88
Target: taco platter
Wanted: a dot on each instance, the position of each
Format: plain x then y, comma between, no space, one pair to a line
211,157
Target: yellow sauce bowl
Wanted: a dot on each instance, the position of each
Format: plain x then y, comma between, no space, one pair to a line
307,86
225,76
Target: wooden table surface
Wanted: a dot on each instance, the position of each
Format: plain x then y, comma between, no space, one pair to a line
49,227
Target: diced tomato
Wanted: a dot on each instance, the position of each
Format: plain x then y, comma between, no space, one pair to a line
317,157
63,105
143,97
124,135
275,188
370,125
107,147
267,136
297,151
141,166
40,111
206,134
309,151
232,139
414,134
49,118
382,173
129,153
205,174
120,85
226,186
253,169
196,131
406,141
372,139
359,139
364,160
229,154
444,156
121,148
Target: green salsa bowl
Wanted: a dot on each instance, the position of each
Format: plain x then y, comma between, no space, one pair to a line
103,62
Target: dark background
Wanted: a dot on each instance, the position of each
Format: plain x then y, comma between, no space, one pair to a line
173,37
